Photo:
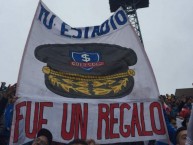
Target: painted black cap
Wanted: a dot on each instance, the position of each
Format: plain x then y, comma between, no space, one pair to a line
87,70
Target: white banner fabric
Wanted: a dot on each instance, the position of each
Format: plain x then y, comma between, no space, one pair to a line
92,82
103,122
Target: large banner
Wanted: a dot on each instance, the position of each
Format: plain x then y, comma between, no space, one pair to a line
92,82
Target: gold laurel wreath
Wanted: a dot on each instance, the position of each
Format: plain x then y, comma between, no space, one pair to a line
101,85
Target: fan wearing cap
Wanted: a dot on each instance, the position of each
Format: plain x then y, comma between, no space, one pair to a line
44,137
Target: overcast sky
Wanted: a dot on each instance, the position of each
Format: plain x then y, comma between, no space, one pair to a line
166,26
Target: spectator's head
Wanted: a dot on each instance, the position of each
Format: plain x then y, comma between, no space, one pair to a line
78,142
44,137
181,135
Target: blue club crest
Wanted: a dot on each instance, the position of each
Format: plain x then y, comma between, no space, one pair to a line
85,60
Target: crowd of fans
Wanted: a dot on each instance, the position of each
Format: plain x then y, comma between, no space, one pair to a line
176,109
7,99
